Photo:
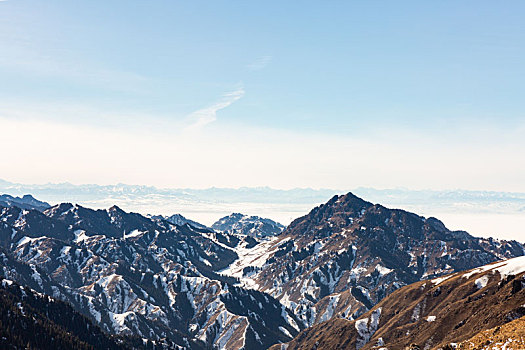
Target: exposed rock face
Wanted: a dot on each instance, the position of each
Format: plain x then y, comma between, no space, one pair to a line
431,314
346,255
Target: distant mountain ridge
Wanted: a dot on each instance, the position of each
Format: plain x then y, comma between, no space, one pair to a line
479,212
27,201
67,191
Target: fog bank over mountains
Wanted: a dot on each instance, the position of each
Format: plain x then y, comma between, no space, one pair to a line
481,213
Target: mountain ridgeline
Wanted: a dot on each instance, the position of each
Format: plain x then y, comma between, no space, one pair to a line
245,282
25,202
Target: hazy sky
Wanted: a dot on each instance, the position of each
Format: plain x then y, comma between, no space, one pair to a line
333,94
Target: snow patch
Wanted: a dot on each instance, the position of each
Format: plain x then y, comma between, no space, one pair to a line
505,268
285,331
330,308
482,282
25,240
6,282
80,235
440,280
366,328
383,270
134,233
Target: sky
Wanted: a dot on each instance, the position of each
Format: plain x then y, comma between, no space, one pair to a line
321,94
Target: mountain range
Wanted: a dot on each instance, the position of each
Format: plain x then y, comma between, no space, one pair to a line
247,282
483,213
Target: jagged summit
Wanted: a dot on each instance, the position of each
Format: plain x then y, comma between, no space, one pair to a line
115,209
178,219
339,211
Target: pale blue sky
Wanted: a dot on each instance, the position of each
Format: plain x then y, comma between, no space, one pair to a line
430,88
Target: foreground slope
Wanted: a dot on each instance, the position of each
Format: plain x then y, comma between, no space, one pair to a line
348,254
510,336
430,314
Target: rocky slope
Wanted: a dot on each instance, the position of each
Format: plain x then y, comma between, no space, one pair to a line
348,254
135,275
433,314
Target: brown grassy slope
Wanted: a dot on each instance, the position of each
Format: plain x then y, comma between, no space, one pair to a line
510,336
461,311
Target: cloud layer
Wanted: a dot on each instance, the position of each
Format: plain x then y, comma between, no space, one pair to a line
230,156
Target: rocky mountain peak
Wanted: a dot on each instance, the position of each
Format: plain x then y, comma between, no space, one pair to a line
116,210
59,209
436,224
253,226
346,255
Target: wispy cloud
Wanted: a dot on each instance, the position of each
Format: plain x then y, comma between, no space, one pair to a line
205,116
260,63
